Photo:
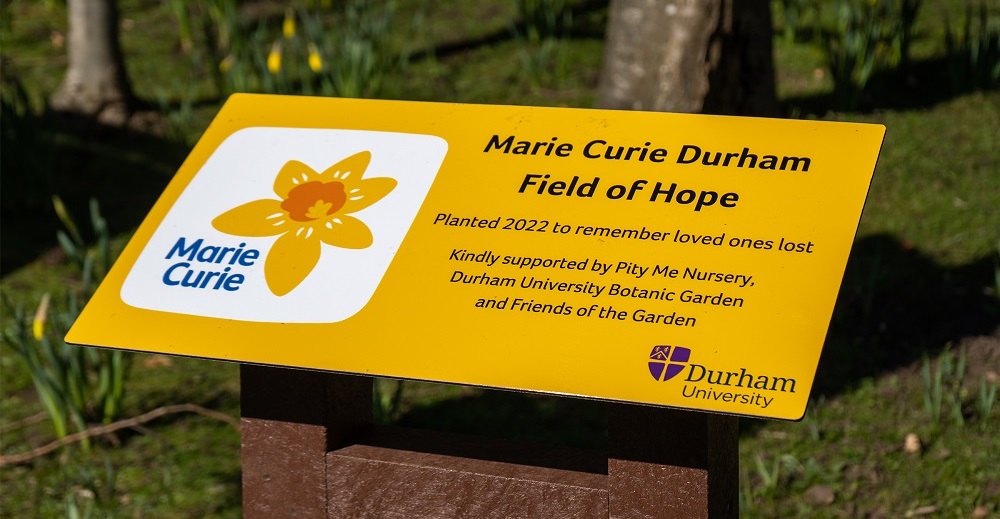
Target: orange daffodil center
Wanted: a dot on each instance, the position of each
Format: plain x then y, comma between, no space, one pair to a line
312,208
314,200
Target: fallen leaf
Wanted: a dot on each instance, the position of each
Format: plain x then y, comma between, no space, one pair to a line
820,495
156,361
922,510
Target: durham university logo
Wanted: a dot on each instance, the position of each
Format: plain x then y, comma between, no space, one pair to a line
666,362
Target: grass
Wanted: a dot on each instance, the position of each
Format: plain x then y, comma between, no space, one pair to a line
922,275
861,458
932,186
180,466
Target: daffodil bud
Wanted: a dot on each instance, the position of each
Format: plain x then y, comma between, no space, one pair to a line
226,64
41,317
315,60
288,26
274,59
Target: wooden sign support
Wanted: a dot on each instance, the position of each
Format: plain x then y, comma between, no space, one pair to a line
311,451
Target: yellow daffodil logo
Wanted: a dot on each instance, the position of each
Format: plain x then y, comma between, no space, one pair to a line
312,208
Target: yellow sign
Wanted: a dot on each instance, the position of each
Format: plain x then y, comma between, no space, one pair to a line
680,260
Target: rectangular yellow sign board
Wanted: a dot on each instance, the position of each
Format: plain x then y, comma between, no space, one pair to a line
679,260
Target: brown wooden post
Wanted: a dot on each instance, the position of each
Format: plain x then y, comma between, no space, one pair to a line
290,419
413,474
309,451
666,463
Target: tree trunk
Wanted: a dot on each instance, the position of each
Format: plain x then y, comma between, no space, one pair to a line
95,84
694,56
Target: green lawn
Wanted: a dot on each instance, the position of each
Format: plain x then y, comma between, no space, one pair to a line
922,284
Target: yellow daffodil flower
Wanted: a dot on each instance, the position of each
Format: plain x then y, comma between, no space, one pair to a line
41,317
315,60
312,208
274,59
288,26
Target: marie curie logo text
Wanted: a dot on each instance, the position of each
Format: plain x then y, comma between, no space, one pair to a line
205,266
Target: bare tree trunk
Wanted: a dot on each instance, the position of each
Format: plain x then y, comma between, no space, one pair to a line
695,56
96,83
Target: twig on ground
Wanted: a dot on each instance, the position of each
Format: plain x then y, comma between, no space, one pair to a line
24,422
112,427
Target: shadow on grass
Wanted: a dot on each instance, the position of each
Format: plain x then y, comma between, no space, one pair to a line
76,159
589,20
895,305
923,84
